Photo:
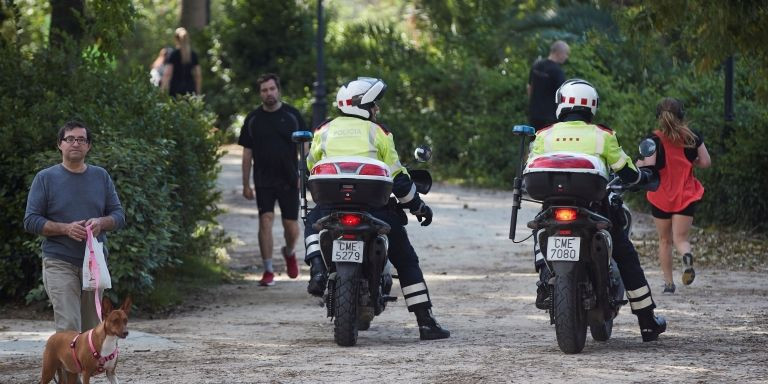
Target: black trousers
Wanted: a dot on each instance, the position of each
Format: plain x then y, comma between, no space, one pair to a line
401,253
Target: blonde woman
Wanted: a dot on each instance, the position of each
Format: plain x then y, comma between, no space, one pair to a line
673,205
182,72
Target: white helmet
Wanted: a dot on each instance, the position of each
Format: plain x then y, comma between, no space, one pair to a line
576,95
357,97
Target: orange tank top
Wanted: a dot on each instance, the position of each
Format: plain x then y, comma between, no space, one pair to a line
678,188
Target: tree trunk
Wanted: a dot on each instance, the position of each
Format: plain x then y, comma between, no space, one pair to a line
64,20
195,14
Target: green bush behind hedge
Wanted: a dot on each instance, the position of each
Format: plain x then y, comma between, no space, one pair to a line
161,154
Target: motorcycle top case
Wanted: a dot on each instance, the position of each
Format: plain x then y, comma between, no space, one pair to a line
565,175
350,181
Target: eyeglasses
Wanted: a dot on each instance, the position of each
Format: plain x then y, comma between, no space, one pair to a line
79,140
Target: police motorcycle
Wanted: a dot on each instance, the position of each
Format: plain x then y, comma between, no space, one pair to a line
354,243
584,285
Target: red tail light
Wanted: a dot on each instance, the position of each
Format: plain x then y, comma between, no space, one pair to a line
324,169
374,170
350,220
348,166
565,214
561,161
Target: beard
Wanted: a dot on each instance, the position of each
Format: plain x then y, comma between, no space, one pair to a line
270,101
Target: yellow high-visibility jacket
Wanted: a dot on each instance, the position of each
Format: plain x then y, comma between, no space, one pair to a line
582,137
352,136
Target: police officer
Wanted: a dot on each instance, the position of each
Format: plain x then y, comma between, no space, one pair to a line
577,103
356,133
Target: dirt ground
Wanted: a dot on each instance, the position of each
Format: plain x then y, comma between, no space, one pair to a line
482,287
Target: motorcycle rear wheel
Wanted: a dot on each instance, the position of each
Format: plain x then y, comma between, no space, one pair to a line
570,317
345,302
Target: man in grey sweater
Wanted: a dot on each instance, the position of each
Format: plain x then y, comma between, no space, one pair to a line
62,201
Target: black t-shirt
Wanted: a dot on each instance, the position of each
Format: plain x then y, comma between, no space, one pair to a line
690,153
268,135
544,78
182,81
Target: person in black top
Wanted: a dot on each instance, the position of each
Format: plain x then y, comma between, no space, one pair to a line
545,78
267,146
182,74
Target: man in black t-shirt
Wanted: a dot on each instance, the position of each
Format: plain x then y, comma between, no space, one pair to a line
268,148
545,78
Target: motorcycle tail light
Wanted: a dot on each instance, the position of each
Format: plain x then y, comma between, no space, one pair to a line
324,169
348,166
374,170
565,214
350,220
561,161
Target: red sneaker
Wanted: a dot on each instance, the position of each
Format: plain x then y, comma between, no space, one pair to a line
267,279
291,265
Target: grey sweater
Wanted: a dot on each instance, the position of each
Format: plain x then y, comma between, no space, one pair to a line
63,196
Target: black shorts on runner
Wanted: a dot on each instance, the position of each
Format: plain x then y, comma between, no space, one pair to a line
286,197
687,211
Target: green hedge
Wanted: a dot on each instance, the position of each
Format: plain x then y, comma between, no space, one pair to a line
161,154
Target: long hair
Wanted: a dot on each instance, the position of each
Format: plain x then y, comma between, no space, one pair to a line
182,42
671,119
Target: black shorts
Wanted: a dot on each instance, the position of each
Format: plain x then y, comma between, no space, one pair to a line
286,197
687,211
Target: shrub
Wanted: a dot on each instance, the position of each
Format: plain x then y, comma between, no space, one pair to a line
162,155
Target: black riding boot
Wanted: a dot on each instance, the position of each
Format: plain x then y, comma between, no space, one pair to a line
317,276
429,329
651,326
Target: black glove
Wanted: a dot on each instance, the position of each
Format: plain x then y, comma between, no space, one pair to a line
423,212
645,175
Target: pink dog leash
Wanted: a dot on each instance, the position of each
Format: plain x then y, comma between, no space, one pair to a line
93,266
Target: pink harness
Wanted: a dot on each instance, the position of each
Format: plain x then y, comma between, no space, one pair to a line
96,355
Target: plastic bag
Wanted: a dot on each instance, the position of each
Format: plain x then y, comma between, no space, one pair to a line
95,272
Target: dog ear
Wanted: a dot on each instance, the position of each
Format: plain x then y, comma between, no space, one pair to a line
126,307
106,305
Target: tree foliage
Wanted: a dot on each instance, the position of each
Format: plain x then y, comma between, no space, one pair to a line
162,155
704,32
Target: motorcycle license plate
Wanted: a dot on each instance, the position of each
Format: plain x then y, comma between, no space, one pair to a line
560,248
347,251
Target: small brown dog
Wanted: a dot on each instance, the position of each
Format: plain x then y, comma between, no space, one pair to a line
91,352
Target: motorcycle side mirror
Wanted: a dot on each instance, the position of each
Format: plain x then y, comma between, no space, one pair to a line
647,148
301,136
422,153
523,130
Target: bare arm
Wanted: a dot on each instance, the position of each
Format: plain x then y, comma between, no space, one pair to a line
529,89
198,75
246,166
703,160
165,84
